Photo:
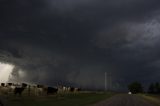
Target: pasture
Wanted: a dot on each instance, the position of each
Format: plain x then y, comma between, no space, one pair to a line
66,99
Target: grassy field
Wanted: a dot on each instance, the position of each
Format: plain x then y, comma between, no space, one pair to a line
71,99
154,99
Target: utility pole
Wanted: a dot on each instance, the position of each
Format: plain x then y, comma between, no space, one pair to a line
105,81
110,81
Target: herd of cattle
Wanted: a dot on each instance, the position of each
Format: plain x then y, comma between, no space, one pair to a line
33,89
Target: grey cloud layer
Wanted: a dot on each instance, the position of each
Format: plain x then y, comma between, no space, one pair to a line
75,42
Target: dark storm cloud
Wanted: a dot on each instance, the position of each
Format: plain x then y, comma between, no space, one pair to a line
76,41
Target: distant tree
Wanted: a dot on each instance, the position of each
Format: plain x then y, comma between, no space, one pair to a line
135,87
157,88
151,88
154,88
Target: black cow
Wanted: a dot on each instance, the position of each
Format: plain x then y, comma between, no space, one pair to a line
24,85
3,84
9,84
19,90
51,90
40,86
72,89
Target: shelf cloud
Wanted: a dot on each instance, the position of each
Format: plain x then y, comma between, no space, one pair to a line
75,42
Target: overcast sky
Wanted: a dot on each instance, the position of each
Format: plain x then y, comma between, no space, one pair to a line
73,42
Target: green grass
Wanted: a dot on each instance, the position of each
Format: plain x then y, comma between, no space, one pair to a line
71,99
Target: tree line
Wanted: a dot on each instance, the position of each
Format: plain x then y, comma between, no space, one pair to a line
154,88
136,87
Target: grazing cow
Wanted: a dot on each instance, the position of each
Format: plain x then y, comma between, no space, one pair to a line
2,84
10,87
4,90
71,89
60,89
24,85
19,90
9,84
39,90
40,86
29,90
51,90
77,89
65,89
